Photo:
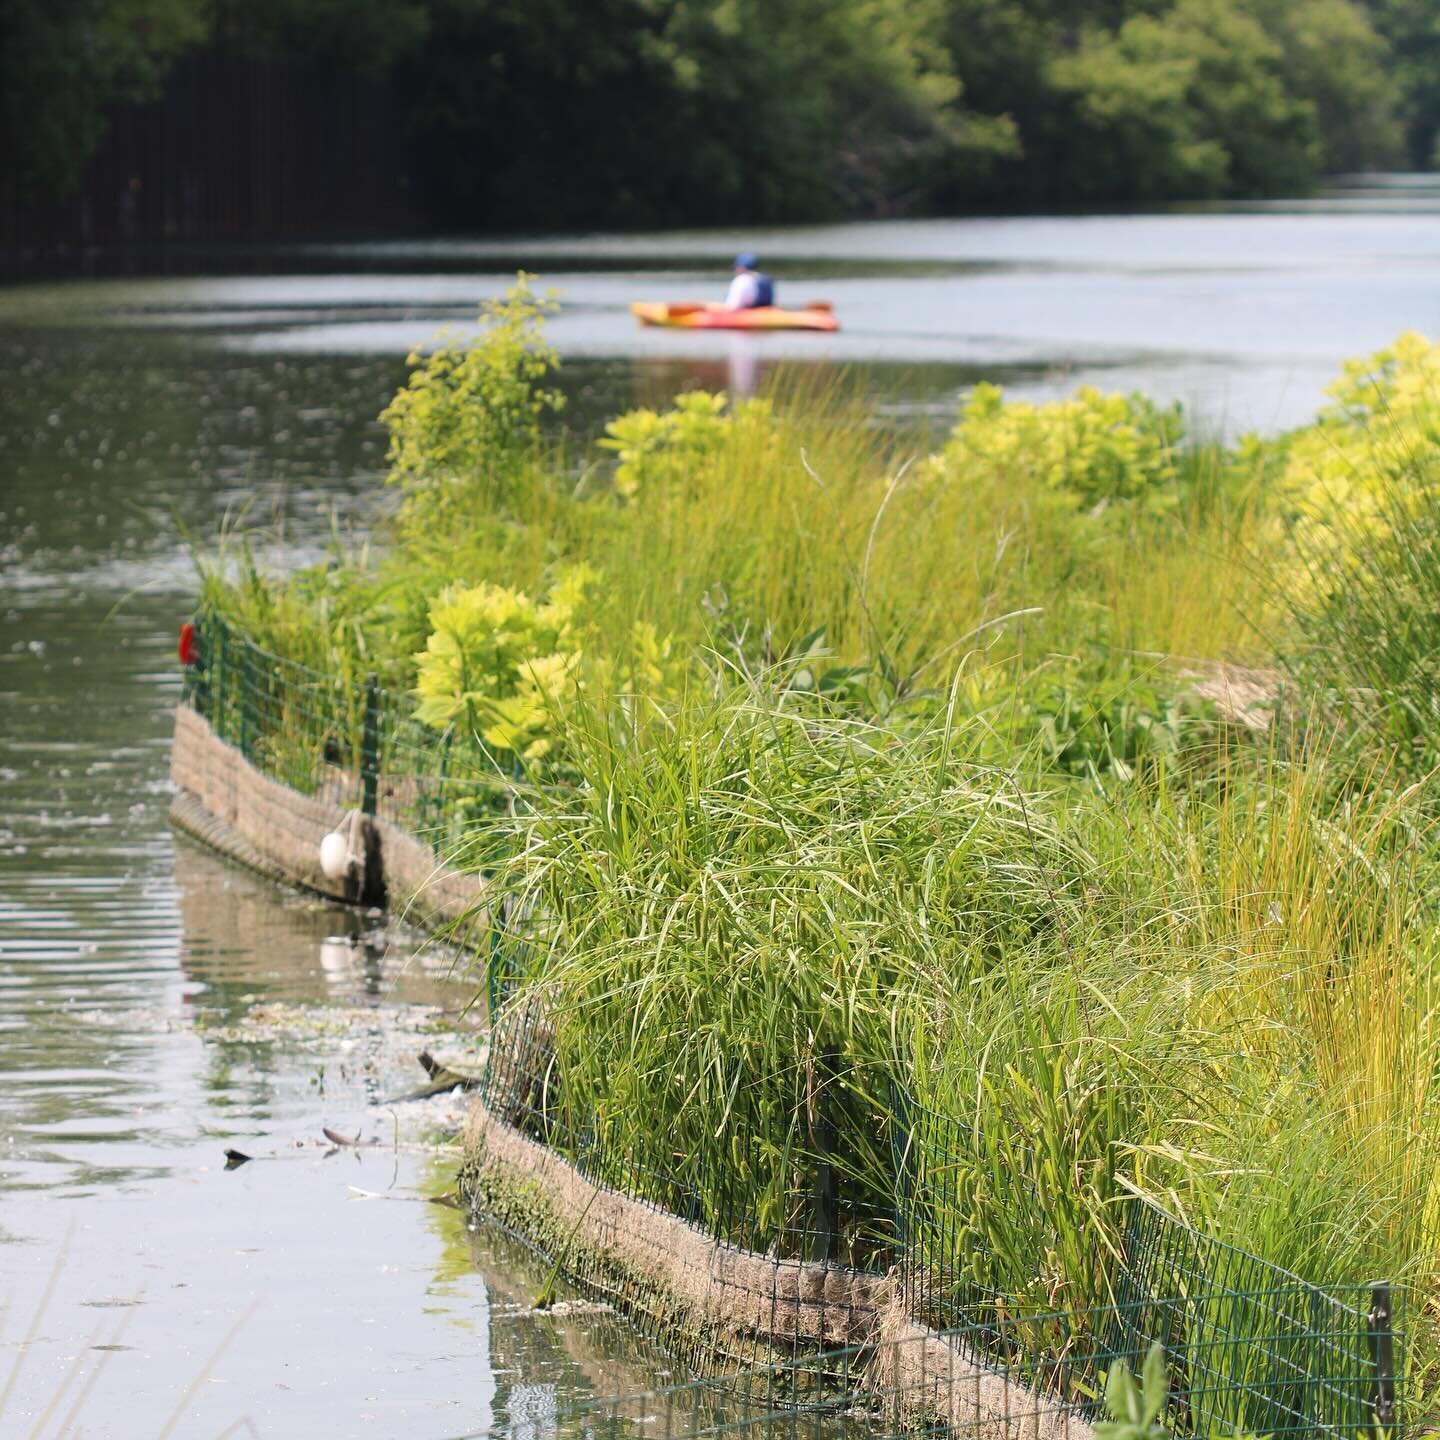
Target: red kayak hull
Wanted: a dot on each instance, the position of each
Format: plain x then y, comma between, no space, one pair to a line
694,315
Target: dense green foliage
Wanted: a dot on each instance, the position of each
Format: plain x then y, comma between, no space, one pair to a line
62,62
834,773
639,111
473,408
1412,29
1363,485
646,111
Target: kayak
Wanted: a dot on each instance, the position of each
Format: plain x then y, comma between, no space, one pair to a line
697,315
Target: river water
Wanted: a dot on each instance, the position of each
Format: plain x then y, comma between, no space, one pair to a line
158,1006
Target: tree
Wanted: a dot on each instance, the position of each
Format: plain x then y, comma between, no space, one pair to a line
367,36
63,62
1412,30
1333,57
638,111
1191,102
549,113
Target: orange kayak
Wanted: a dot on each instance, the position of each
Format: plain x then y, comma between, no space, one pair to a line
696,315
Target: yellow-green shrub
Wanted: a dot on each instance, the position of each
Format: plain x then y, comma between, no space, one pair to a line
1383,425
474,405
497,662
655,447
502,666
1094,447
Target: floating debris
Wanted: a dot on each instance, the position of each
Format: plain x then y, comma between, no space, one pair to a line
442,1081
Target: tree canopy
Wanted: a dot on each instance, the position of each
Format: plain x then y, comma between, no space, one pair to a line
552,112
62,62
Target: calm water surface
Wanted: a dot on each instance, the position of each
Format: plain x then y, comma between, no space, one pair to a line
158,1006
1244,316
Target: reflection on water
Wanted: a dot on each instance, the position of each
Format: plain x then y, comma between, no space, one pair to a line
544,1362
1243,314
159,1006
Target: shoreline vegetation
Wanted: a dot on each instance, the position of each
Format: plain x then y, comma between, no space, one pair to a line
1074,777
627,114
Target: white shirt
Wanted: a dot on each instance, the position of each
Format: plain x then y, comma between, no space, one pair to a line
744,291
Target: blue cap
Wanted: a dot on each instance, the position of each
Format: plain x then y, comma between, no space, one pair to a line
745,261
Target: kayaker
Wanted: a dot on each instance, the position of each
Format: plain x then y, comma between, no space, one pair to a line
751,287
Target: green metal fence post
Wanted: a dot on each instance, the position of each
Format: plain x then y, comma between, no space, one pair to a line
902,1157
217,715
197,677
820,1109
247,698
370,747
442,839
1382,1349
496,918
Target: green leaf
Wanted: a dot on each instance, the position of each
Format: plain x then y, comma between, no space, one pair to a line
1155,1383
1122,1399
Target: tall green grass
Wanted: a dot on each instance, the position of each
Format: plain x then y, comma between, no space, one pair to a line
1223,999
925,817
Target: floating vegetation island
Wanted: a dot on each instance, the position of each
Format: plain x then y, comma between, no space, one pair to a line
1046,817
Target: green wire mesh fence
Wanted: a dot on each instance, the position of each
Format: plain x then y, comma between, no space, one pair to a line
343,738
1018,1378
819,1217
1251,1348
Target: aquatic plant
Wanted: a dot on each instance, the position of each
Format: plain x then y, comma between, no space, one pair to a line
475,405
1136,1412
497,663
1379,432
750,912
1364,593
662,447
1091,446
